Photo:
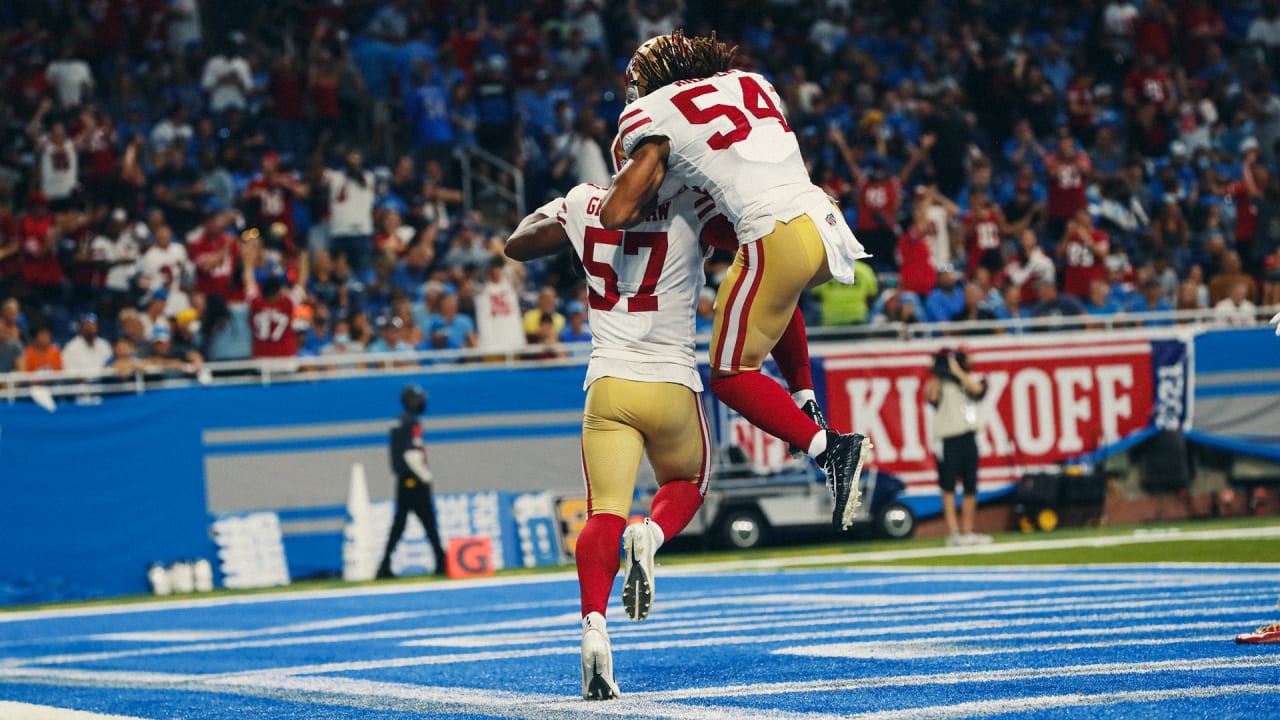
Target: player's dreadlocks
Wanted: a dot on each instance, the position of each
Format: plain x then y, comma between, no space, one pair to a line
674,57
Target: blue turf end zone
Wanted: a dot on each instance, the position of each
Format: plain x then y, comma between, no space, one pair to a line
1041,642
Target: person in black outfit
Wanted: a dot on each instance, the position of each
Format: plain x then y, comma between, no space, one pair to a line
413,479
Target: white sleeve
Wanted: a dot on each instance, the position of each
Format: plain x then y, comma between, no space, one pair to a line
417,463
637,122
551,209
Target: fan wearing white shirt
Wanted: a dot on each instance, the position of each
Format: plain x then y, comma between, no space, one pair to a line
163,267
226,78
351,213
58,162
71,78
1235,309
86,351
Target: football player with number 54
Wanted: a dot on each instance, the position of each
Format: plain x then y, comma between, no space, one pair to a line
691,117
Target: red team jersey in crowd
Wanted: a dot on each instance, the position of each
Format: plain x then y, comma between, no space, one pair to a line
273,204
915,251
982,239
878,204
1246,213
272,324
1067,185
100,147
1148,87
39,266
10,237
216,280
1079,94
1083,267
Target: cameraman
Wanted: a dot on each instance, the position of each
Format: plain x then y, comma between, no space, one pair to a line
954,392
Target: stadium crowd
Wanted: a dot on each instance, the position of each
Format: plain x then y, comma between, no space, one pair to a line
184,181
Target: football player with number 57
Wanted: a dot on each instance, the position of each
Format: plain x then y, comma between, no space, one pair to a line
643,387
691,117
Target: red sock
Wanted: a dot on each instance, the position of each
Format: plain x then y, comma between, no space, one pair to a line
792,355
674,506
598,555
766,405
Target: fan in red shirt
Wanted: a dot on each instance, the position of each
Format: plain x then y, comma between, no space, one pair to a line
271,307
1085,250
1245,194
10,249
879,196
269,195
984,231
96,137
1068,170
40,267
915,253
214,251
1201,25
1080,106
1147,84
1153,30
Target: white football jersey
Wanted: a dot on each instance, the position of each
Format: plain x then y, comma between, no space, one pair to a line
165,268
644,285
729,138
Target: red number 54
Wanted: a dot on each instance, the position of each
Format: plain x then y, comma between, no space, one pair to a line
754,99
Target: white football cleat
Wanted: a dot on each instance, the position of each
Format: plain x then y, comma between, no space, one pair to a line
640,543
597,660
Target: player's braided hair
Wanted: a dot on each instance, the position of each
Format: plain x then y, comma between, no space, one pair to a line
675,57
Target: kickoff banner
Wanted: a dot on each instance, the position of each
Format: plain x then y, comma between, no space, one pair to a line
1049,400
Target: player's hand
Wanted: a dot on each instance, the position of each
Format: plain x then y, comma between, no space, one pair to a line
928,140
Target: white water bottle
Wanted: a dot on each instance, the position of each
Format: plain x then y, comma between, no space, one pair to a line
181,577
158,579
203,572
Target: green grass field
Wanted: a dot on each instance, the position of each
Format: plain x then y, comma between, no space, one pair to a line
1161,543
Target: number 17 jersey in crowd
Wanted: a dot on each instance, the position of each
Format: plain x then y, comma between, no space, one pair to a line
644,284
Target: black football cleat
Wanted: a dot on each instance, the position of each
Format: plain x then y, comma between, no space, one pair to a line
810,408
842,462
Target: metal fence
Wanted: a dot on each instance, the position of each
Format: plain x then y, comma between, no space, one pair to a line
86,385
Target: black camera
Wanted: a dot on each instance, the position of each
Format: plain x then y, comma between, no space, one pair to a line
942,363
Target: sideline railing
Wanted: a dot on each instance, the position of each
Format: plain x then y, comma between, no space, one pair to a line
513,196
87,386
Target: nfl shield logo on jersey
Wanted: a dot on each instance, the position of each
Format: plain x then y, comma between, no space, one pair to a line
831,219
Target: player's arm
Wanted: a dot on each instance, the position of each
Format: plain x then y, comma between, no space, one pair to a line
538,235
416,459
636,187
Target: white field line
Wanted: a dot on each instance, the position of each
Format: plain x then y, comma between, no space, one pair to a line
1117,575
999,548
961,677
25,711
556,625
1026,705
773,621
571,646
692,568
958,647
438,700
212,635
427,586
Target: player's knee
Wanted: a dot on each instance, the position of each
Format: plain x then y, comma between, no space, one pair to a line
718,374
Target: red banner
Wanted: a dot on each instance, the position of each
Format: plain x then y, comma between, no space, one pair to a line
1045,403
